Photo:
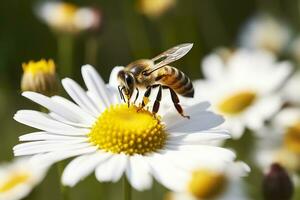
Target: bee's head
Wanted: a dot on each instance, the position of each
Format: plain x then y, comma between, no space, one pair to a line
127,83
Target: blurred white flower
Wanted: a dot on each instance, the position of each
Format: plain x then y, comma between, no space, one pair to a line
87,18
243,88
291,90
112,139
68,18
218,182
279,142
18,178
265,32
154,8
295,49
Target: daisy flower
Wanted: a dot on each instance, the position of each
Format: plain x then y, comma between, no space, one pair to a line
155,8
243,88
280,141
218,182
294,48
68,18
108,137
18,178
290,90
265,32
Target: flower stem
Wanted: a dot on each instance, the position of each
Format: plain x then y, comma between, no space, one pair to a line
91,50
137,34
65,54
127,189
63,189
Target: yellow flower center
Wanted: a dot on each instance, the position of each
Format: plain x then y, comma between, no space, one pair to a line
288,159
237,103
206,183
292,138
123,129
65,14
155,8
13,181
42,66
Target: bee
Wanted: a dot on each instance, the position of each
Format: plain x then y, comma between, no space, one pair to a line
156,73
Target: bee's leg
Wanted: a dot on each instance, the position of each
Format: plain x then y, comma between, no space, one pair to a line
145,100
157,101
121,94
137,95
175,101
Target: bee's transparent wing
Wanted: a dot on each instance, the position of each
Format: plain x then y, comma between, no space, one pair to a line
171,55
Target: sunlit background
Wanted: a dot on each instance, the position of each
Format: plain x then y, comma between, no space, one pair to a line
127,31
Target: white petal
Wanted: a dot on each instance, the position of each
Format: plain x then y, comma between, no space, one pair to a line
198,121
182,196
113,78
289,90
112,169
28,145
238,169
42,121
287,117
55,107
114,94
80,97
167,174
114,83
94,97
95,84
31,148
213,67
264,109
236,127
85,116
48,136
138,173
190,158
280,74
197,138
56,156
65,121
173,117
81,167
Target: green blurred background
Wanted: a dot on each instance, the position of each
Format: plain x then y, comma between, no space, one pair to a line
125,35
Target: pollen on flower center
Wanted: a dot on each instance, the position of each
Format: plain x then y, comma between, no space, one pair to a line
237,103
206,184
66,12
292,138
123,129
13,180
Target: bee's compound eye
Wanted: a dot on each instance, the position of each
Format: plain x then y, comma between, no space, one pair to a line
129,79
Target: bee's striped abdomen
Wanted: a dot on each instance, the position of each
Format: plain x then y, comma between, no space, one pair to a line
177,80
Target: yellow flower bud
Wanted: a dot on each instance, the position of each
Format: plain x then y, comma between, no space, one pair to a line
39,77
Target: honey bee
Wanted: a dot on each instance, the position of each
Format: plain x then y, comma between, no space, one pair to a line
153,73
